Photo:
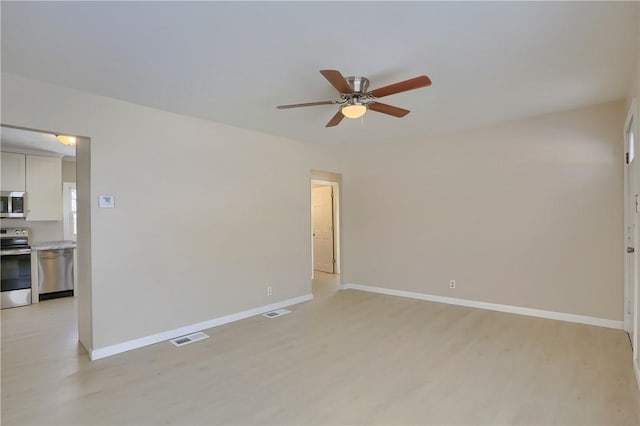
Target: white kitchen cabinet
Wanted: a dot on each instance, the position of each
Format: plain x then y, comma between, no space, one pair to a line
13,172
44,188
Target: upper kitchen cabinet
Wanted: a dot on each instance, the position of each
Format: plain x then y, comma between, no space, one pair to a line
44,188
13,172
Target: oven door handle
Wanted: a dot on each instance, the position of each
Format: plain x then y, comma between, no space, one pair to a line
14,252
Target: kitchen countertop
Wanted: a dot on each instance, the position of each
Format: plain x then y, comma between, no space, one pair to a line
52,245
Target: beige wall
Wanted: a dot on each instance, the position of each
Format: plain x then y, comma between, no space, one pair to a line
527,213
206,215
637,295
68,171
84,290
634,94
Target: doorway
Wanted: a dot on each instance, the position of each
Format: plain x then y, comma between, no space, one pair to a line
325,233
64,212
632,222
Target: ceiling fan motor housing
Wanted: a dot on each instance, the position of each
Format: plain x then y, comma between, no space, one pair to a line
358,84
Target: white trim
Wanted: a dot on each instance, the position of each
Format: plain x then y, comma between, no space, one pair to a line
601,322
323,182
177,332
636,370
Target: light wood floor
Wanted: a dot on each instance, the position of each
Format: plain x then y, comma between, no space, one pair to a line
347,357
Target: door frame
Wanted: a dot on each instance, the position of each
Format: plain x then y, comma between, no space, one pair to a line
631,120
336,222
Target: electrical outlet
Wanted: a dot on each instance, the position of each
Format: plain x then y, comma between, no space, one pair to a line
269,290
452,284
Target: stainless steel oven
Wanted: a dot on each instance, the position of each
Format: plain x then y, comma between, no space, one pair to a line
15,267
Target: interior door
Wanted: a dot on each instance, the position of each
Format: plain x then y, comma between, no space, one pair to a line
632,226
322,199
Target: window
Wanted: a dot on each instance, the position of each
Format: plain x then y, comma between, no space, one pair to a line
70,211
632,142
74,212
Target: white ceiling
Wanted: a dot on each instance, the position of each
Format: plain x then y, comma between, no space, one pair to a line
26,141
233,62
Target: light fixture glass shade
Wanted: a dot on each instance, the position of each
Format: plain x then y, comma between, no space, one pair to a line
354,111
67,140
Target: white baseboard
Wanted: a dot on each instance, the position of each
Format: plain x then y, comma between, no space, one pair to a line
636,370
177,332
601,322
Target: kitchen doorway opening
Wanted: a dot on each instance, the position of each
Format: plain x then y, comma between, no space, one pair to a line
56,175
325,232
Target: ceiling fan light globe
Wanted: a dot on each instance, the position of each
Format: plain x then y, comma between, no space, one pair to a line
67,140
354,111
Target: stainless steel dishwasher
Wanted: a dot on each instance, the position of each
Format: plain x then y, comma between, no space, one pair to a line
55,273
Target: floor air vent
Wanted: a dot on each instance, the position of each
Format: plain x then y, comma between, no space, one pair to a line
185,340
278,313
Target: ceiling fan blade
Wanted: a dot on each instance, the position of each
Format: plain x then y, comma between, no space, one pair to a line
388,109
307,104
336,119
403,86
337,80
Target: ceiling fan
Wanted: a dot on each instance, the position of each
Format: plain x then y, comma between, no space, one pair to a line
355,100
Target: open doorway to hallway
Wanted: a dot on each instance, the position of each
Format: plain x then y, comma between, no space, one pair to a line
325,232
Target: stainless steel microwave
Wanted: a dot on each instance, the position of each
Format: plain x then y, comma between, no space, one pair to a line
13,204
